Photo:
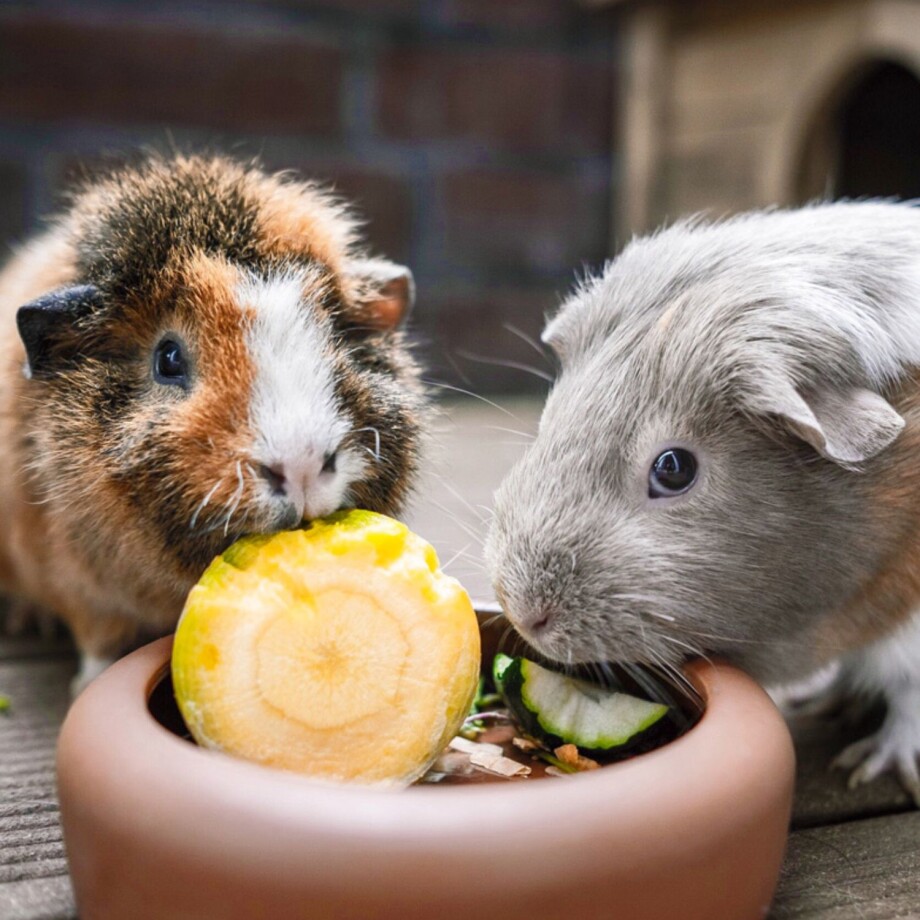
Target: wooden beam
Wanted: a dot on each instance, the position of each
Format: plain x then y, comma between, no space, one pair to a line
642,82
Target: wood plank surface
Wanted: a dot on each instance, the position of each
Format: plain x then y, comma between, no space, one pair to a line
861,870
45,899
822,796
33,867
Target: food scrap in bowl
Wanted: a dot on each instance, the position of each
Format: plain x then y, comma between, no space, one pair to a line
554,724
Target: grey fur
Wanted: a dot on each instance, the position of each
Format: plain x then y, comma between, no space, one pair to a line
769,344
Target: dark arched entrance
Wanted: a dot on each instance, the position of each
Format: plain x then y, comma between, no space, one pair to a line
868,142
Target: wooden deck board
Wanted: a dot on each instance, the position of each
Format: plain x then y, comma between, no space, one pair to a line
852,855
33,868
861,870
822,796
44,899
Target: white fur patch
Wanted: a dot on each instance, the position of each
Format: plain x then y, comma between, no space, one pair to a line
891,667
890,663
294,413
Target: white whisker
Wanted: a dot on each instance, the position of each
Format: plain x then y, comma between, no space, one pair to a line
465,526
457,555
524,337
204,503
460,497
514,365
488,402
376,452
524,434
236,498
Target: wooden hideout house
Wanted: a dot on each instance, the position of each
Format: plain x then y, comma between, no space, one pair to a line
727,105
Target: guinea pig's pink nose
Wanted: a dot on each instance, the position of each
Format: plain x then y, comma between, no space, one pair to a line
288,481
300,478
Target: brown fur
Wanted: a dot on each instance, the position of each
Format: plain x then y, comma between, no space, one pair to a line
102,471
892,593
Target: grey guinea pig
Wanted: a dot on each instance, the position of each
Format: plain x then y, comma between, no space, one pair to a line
729,462
204,350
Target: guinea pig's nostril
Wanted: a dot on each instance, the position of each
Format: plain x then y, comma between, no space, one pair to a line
274,476
533,622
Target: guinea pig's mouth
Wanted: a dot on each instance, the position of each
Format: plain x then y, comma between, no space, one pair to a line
662,683
286,519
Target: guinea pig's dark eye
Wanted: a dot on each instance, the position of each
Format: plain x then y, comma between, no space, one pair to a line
169,365
673,472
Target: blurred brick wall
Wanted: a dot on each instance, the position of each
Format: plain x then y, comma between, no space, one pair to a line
473,134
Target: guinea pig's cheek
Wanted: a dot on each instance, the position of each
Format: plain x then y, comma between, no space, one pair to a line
216,417
324,498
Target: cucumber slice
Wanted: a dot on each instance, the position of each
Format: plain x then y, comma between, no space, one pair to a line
556,709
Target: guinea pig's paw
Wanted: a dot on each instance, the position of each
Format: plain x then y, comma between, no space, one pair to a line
822,694
895,746
90,668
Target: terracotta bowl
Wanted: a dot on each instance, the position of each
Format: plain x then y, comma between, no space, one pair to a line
156,827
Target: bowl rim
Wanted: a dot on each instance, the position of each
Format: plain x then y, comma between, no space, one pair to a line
153,821
715,771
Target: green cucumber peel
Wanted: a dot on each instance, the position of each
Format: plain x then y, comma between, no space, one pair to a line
485,699
557,709
500,664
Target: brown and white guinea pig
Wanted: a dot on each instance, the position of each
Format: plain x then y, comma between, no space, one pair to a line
729,462
204,350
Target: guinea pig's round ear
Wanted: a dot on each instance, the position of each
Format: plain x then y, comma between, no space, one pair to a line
847,425
386,292
46,324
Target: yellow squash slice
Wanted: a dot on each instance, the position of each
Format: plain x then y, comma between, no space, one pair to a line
340,651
